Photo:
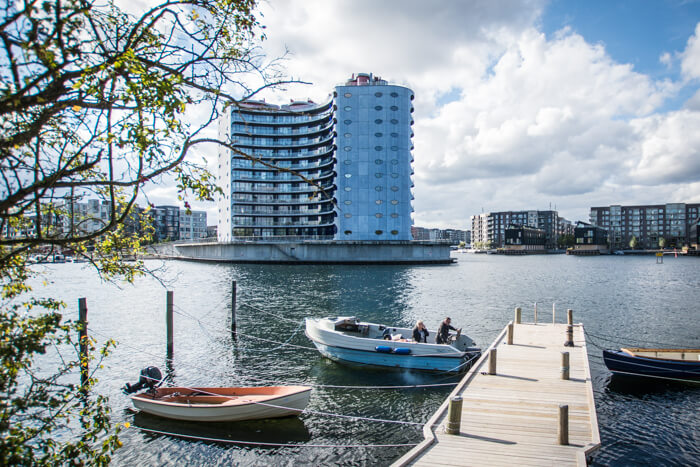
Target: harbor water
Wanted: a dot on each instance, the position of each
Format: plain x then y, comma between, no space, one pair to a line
351,420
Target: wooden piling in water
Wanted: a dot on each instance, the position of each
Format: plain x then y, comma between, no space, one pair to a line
83,342
570,317
233,309
554,312
518,315
169,323
569,336
535,312
492,361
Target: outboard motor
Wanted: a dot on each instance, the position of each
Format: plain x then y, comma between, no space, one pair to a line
150,378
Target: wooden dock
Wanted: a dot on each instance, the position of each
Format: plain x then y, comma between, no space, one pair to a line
513,417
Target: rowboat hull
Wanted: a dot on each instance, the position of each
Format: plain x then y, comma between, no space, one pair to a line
224,404
656,363
366,347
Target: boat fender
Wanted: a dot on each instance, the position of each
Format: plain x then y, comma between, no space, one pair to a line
383,349
402,351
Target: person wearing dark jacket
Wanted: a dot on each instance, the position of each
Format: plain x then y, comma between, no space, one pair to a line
420,333
443,332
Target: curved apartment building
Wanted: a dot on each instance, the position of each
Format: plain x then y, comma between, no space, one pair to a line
263,202
355,149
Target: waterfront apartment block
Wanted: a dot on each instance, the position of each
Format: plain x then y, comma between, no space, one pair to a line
193,225
652,225
453,236
334,171
523,239
489,229
589,240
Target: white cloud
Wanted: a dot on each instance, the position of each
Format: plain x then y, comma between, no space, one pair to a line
690,58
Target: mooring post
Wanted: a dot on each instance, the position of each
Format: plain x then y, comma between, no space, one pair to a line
510,334
569,336
83,340
233,310
565,365
535,312
518,315
454,416
563,432
492,362
570,317
554,312
169,322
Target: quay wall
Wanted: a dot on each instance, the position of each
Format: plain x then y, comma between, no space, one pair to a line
347,252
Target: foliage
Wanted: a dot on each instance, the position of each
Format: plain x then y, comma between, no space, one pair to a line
566,240
634,242
662,242
95,104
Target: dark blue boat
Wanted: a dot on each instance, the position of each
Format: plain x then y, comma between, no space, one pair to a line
681,364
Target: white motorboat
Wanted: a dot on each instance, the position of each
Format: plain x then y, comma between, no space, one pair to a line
346,339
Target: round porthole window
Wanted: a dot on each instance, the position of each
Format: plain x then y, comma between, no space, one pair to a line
378,232
378,148
347,108
379,201
379,175
378,161
394,161
377,107
394,94
348,215
378,188
378,94
394,175
347,94
394,135
394,108
348,175
348,202
348,232
394,121
347,148
394,148
378,121
347,135
347,162
394,215
394,232
347,122
347,188
393,201
394,188
378,215
378,135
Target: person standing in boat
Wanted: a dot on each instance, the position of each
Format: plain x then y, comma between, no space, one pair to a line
443,333
420,333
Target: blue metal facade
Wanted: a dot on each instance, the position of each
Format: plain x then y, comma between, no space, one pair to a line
373,152
357,149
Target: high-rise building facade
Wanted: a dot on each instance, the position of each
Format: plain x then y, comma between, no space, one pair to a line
647,223
193,226
346,166
373,160
262,201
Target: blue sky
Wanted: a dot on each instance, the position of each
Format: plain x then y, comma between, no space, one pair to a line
520,104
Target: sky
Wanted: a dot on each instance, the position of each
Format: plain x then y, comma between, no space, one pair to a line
520,105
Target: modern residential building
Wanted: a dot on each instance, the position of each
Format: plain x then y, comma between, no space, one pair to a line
289,190
489,228
166,223
453,236
523,239
193,226
649,224
345,167
589,240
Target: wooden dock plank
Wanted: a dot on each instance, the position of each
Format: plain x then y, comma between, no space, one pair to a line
511,418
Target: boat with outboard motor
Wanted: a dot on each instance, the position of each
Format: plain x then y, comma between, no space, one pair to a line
346,339
222,404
